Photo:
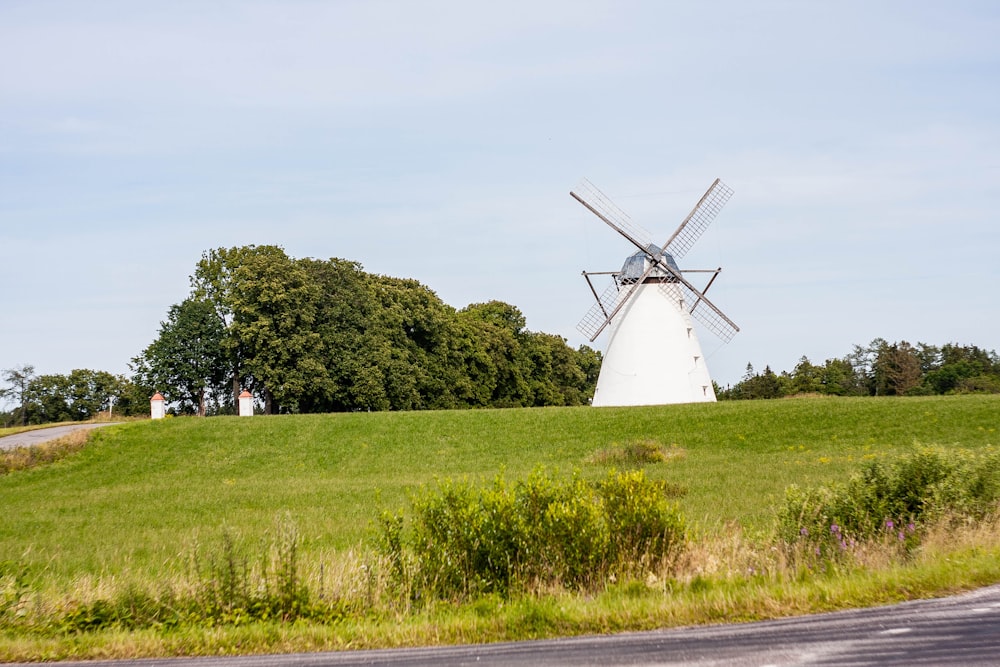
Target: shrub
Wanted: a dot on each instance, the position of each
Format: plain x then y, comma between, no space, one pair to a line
466,541
643,524
890,501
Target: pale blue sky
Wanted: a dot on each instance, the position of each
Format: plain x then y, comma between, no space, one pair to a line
439,140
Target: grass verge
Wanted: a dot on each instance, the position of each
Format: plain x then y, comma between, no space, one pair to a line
950,561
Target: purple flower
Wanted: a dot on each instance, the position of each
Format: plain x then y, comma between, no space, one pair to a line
901,535
803,531
834,528
910,527
889,524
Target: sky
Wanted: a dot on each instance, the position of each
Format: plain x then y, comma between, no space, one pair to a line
439,140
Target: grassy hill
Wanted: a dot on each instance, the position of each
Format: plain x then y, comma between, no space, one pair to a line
144,494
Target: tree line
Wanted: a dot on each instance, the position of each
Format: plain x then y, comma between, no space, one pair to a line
80,395
879,369
308,335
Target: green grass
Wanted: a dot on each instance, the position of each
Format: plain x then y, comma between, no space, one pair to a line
142,497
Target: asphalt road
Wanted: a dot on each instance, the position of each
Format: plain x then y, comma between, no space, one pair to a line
962,630
38,436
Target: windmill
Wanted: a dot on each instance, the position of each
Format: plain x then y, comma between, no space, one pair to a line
653,356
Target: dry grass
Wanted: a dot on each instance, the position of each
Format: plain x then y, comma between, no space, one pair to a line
636,453
22,458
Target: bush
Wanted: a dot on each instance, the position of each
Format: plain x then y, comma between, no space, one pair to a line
893,500
538,532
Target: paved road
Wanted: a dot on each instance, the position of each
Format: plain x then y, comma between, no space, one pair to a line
38,436
962,630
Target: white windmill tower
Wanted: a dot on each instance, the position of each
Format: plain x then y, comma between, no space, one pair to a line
653,356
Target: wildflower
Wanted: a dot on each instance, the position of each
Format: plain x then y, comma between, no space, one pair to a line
901,536
889,524
803,531
835,529
910,527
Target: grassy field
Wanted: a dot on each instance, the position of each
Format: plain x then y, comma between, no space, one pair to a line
141,497
144,492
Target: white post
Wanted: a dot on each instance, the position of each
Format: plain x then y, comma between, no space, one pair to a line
156,406
246,404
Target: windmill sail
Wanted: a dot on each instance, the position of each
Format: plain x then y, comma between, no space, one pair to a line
600,205
698,220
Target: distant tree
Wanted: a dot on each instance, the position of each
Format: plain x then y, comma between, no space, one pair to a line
758,385
863,360
838,378
806,378
964,369
17,380
897,370
79,396
881,368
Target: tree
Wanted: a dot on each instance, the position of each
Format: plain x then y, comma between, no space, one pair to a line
274,306
416,338
806,378
346,316
897,369
267,303
214,280
500,362
188,361
18,379
79,396
838,378
963,369
758,385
